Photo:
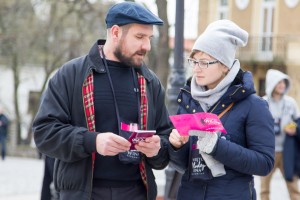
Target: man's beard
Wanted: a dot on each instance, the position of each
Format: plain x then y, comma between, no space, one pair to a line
129,61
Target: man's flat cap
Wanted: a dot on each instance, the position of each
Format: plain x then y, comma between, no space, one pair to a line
128,12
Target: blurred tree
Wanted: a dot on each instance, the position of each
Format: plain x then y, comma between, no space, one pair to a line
158,57
163,47
16,23
46,33
66,31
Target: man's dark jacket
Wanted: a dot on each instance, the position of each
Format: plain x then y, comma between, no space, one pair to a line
60,127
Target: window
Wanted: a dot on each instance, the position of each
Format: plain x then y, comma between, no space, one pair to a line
266,30
222,9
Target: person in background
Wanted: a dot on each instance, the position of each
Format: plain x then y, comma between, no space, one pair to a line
91,99
286,116
217,165
4,123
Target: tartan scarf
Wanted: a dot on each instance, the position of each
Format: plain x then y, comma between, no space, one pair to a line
144,114
88,101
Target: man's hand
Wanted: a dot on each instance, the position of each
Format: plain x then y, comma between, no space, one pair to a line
110,144
150,147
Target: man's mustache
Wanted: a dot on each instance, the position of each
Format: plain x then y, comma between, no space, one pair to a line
141,52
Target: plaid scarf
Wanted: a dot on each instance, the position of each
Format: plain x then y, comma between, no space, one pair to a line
88,101
144,114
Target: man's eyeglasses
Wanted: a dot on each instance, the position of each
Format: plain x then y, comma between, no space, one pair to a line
202,64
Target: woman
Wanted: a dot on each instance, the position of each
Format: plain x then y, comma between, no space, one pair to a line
247,148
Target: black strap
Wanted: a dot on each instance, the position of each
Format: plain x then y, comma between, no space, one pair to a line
136,89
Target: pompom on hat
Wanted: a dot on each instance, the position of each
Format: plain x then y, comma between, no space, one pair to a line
129,12
220,40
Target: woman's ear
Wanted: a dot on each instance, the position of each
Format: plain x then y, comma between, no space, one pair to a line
225,69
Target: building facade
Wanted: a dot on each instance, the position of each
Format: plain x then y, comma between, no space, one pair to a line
274,35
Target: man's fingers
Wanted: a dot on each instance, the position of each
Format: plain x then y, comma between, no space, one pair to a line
112,151
154,138
149,148
120,141
111,144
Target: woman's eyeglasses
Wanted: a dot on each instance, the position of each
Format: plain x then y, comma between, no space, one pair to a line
202,64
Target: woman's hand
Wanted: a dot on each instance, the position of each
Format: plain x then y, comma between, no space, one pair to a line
177,140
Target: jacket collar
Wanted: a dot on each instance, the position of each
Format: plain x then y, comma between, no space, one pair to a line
96,62
241,88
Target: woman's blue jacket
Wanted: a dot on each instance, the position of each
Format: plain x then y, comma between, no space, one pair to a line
247,150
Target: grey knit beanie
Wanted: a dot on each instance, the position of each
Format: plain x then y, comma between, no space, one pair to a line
221,39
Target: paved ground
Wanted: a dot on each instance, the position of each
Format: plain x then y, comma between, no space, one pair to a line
21,179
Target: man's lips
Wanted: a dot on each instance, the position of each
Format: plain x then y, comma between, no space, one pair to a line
141,53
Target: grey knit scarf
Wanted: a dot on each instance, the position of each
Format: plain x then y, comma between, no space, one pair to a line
208,98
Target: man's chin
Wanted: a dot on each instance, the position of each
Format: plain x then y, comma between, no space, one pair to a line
138,64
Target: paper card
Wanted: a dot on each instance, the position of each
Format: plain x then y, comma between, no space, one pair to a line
129,127
140,135
198,121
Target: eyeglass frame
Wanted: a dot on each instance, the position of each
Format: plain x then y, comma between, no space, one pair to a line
198,63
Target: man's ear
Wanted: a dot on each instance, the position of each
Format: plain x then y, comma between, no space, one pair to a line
115,32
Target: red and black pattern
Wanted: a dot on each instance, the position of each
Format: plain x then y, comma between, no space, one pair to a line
88,101
144,112
144,102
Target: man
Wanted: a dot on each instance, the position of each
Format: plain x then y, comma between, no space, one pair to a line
88,103
4,122
285,113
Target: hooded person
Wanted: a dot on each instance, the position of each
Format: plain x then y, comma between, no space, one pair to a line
218,85
285,112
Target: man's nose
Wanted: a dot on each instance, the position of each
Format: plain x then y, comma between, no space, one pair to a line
146,45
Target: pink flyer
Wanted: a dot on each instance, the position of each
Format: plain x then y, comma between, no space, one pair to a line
198,121
140,135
